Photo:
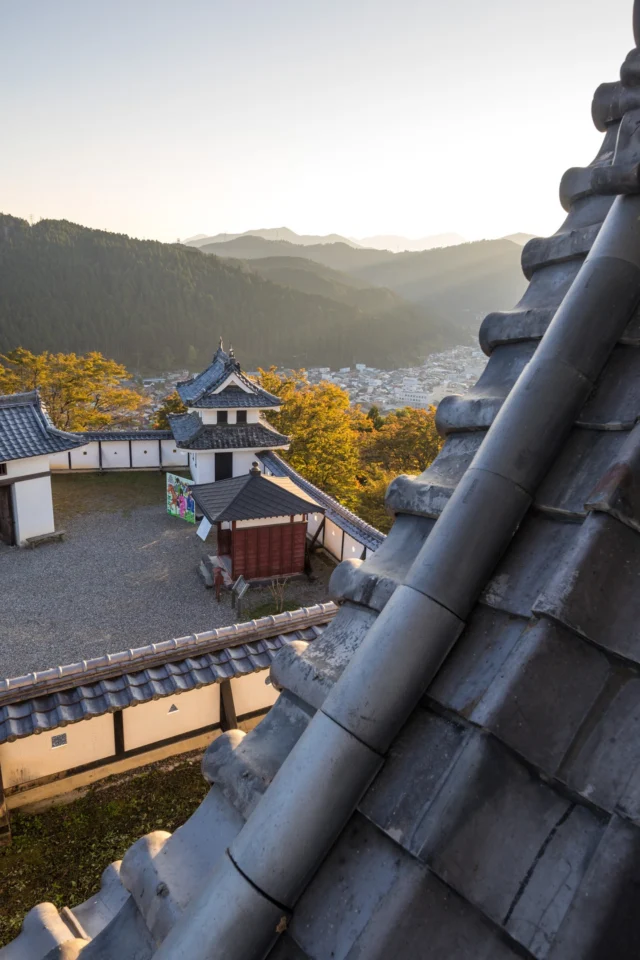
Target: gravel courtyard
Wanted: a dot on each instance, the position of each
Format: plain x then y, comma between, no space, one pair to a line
125,575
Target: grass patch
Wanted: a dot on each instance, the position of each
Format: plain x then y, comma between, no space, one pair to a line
74,494
265,608
58,856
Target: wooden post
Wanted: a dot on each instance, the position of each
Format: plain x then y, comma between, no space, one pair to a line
228,719
130,456
5,826
118,732
100,454
69,459
160,453
342,547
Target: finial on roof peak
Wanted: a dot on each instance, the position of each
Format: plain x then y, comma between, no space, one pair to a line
220,346
255,469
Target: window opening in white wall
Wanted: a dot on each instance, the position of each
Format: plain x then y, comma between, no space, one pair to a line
173,708
59,740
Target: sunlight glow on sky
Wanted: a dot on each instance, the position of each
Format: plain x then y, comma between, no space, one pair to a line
162,119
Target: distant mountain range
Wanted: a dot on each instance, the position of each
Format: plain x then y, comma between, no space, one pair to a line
155,306
275,233
392,243
458,283
404,244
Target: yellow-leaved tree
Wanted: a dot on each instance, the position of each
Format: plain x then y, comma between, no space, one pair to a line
325,444
80,392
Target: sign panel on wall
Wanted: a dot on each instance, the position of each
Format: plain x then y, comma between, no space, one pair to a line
180,502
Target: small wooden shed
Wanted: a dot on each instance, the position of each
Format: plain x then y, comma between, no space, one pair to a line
261,523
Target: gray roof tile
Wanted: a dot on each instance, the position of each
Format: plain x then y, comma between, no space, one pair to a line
353,525
64,695
192,434
200,391
27,431
251,497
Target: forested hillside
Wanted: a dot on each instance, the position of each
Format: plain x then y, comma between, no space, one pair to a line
460,283
155,306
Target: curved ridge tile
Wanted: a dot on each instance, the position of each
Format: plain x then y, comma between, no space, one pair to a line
164,871
573,245
310,673
43,930
96,912
372,585
427,495
242,767
479,406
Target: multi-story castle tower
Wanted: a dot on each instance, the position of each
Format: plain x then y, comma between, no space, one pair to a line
224,428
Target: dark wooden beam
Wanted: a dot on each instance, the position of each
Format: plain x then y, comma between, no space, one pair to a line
7,481
228,719
5,825
130,456
118,732
317,534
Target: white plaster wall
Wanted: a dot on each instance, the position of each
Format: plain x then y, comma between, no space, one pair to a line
203,466
59,461
115,454
251,693
145,453
85,458
27,465
173,456
33,508
207,416
153,721
242,462
352,549
34,757
333,538
253,415
314,521
265,522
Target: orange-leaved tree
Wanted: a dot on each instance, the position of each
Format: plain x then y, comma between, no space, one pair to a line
170,405
80,392
325,443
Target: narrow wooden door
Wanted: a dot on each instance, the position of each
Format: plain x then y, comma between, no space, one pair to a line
7,530
224,466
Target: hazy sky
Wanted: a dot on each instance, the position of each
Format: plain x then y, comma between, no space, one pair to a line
165,119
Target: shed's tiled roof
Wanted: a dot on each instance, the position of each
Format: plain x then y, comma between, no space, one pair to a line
348,521
502,820
251,498
79,691
27,431
191,433
200,391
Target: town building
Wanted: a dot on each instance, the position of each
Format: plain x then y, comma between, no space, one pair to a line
261,523
224,426
27,440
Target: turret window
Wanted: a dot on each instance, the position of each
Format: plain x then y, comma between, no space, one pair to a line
241,416
223,416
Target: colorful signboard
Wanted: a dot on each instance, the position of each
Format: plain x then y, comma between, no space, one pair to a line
180,502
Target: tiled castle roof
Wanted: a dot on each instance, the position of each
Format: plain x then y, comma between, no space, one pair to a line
452,769
200,391
191,433
27,431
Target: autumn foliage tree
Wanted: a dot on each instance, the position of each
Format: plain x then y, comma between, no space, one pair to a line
325,444
349,454
170,405
80,392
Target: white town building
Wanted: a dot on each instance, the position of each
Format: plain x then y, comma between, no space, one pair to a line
27,440
224,427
